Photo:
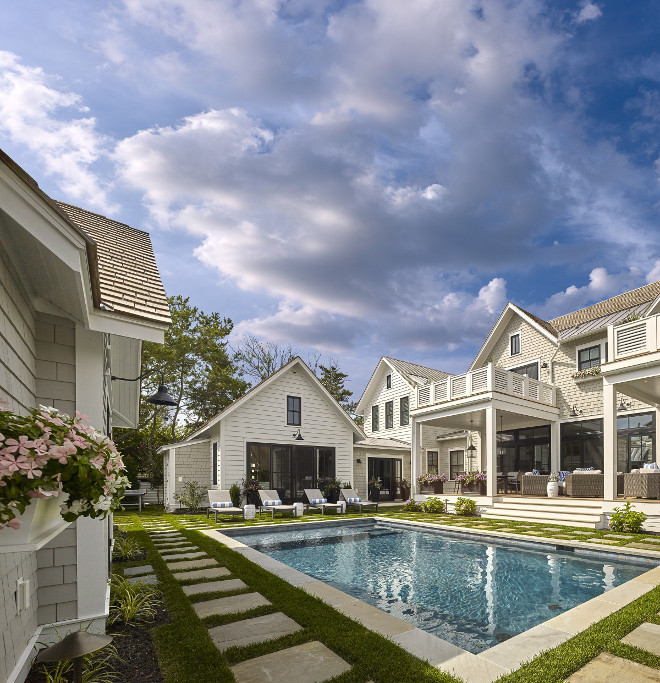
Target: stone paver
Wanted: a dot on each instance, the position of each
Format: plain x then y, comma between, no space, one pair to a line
621,537
173,544
651,540
214,587
150,579
310,662
256,630
645,546
581,533
142,569
602,541
230,605
582,616
564,538
185,556
646,636
215,573
551,528
606,668
191,564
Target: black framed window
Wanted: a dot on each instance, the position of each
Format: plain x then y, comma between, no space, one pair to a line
515,344
388,382
214,465
456,463
589,357
432,461
404,411
582,444
635,441
389,415
258,456
524,450
293,410
374,419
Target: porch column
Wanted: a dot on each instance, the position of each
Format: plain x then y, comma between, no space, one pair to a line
555,446
415,464
657,436
609,440
490,429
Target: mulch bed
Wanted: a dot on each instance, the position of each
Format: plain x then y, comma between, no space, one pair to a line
136,650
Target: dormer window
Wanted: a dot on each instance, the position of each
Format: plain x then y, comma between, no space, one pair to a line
388,382
514,344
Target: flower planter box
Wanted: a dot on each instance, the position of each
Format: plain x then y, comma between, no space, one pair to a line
40,522
438,487
474,487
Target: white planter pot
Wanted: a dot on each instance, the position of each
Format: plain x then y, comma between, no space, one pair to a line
40,522
553,489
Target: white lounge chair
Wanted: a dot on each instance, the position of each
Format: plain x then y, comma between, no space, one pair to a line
313,498
270,502
352,499
220,503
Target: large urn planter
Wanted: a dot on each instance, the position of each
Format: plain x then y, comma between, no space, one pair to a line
333,496
405,492
253,498
374,495
40,522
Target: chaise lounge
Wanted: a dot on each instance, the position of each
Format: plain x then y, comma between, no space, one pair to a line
351,498
313,498
220,503
270,502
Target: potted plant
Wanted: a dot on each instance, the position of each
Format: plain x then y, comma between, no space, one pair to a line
473,481
53,469
330,487
375,486
437,481
249,491
404,485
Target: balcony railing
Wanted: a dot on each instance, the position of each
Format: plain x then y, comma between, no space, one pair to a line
486,379
633,338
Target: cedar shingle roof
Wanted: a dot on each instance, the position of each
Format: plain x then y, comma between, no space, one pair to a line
128,276
411,370
642,295
543,323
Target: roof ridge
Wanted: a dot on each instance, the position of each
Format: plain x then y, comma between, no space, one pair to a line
418,365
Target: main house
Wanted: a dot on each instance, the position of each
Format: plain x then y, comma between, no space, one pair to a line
287,431
578,391
386,404
78,295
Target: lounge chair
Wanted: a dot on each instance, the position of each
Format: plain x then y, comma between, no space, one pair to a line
270,502
313,498
351,498
220,503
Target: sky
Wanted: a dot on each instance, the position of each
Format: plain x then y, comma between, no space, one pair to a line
355,178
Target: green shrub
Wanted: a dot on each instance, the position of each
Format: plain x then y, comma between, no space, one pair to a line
126,548
412,506
132,603
235,495
192,496
434,505
627,519
465,506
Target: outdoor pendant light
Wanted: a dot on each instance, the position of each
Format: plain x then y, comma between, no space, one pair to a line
161,397
297,435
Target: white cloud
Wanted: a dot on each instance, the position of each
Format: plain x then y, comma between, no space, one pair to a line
589,12
36,114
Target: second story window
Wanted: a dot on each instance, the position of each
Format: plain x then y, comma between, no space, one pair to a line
374,419
293,410
514,344
404,411
589,357
388,382
389,415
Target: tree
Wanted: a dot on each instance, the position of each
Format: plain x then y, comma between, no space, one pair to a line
261,359
332,378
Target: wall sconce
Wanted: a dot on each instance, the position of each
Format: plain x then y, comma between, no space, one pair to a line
544,365
359,461
161,397
575,412
624,406
297,435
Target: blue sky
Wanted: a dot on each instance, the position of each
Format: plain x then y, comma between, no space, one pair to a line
360,178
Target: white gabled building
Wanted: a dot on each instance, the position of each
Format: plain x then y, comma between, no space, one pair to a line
386,405
78,295
287,431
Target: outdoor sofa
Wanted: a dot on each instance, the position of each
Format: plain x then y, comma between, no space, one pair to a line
351,498
644,483
220,503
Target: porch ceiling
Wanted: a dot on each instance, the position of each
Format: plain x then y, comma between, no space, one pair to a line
475,420
646,390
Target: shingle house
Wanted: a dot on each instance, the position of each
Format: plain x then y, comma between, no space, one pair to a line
286,431
78,295
386,404
579,391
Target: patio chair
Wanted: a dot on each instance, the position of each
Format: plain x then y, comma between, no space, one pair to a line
351,498
270,502
313,498
513,481
585,484
457,484
534,484
220,503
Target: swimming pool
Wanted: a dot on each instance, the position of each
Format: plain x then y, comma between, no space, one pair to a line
473,593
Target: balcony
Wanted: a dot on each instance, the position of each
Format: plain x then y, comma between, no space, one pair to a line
635,338
485,380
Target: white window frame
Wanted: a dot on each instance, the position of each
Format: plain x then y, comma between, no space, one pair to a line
588,346
529,362
513,334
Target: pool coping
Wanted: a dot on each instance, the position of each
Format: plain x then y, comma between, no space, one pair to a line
492,663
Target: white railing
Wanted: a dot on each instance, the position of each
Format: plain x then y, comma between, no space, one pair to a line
633,338
486,379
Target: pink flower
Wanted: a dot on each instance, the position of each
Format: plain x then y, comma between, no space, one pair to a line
29,466
8,463
62,453
22,445
14,523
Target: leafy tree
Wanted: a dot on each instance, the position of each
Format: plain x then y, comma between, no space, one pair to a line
332,378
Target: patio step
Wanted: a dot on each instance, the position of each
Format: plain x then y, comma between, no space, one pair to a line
586,514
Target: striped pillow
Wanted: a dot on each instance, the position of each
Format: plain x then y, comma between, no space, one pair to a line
535,472
318,501
354,500
272,503
562,474
649,466
222,505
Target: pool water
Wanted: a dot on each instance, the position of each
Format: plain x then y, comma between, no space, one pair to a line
472,593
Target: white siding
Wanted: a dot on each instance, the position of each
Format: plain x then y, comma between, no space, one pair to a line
379,395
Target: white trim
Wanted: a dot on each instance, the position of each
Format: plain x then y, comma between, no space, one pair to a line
601,344
174,446
518,334
530,362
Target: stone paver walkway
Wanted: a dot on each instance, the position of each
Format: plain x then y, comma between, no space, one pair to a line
234,603
646,636
214,587
607,668
256,630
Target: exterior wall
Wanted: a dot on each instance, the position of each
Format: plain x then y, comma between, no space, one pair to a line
380,395
17,344
191,463
16,628
57,574
262,418
360,469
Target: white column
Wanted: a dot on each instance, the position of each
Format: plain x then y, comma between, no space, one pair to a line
555,443
491,449
609,440
415,464
657,435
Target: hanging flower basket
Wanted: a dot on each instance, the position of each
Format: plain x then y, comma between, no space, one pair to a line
42,457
